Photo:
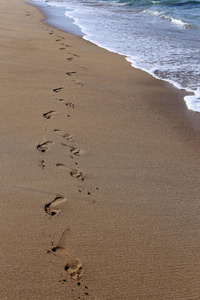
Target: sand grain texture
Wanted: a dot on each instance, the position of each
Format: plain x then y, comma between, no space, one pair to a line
99,172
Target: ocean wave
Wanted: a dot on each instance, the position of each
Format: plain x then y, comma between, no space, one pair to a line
188,3
184,4
164,16
193,101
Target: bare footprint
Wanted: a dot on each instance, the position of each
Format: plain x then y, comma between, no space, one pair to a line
52,207
61,166
80,83
75,151
57,130
77,174
73,266
61,100
76,55
42,164
49,114
70,73
44,146
57,90
68,137
70,104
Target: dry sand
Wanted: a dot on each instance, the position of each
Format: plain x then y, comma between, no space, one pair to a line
99,172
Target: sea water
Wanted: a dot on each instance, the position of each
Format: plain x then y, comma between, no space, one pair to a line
161,37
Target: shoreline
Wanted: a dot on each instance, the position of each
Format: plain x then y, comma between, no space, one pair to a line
57,17
99,171
61,18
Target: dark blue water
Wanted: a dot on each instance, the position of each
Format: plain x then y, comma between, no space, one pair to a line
161,37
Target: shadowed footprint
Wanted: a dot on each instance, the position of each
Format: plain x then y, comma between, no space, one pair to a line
70,73
73,266
70,104
52,207
49,114
70,58
57,130
44,146
75,151
77,174
42,164
61,166
61,100
57,90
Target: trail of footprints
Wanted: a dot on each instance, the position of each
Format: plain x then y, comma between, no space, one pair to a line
73,266
67,137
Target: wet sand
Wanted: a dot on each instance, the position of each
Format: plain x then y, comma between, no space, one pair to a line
99,172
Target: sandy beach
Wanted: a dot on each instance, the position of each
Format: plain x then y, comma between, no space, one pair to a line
99,172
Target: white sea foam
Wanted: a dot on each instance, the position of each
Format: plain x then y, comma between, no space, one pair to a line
193,101
164,16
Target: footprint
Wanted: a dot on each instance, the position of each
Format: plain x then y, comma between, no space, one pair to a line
76,55
79,83
70,104
51,208
70,58
75,151
73,266
62,48
44,146
57,90
63,144
49,114
61,166
42,164
77,174
57,130
70,73
68,137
